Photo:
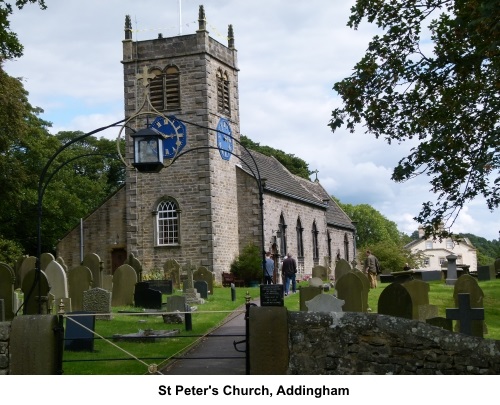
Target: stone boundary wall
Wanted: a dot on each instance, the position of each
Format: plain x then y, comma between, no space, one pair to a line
4,347
358,343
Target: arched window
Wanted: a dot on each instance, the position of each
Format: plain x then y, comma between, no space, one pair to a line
315,244
282,236
329,244
346,247
167,223
164,89
300,244
223,96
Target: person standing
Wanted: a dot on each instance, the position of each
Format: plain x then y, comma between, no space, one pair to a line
371,267
269,269
289,270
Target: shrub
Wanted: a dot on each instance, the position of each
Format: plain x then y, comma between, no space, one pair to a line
248,265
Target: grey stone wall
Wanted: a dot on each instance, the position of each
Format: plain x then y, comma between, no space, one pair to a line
356,343
4,347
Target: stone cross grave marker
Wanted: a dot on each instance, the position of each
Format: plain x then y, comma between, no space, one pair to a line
7,281
465,314
94,263
98,301
467,284
79,280
324,303
124,281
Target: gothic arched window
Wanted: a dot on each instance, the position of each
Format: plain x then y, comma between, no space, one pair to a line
346,247
300,244
223,95
164,89
282,236
167,223
315,243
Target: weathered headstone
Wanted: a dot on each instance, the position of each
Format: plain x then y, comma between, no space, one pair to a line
94,263
45,259
325,303
307,294
79,336
27,264
315,282
60,260
320,272
203,274
172,271
395,300
136,265
271,295
366,287
485,273
419,292
146,297
202,287
342,267
176,303
36,293
98,301
349,288
124,281
107,282
57,280
465,314
79,280
466,284
7,281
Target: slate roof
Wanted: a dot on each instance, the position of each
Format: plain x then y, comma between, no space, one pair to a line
280,181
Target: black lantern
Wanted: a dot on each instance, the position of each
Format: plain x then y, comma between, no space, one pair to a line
148,150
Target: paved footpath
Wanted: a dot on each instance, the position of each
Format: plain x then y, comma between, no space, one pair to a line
215,355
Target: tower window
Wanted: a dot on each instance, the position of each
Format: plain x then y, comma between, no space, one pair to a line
164,89
167,223
223,96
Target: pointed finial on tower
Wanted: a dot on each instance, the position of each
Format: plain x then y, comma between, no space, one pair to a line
202,21
230,37
128,28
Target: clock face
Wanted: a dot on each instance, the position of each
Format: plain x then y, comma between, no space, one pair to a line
174,132
224,139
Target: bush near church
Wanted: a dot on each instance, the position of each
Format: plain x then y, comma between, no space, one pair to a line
248,265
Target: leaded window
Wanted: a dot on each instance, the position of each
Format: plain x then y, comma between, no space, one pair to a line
167,223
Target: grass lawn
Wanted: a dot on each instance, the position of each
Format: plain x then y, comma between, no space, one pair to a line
133,358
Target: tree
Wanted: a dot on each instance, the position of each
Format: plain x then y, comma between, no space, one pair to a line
10,47
443,92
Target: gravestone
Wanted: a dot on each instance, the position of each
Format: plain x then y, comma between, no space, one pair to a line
325,303
419,292
36,293
45,259
395,300
79,280
320,272
94,263
465,314
349,288
107,282
17,301
172,271
27,264
315,282
466,284
136,265
146,297
79,336
485,273
366,287
202,287
60,260
203,274
57,280
176,303
98,301
271,295
7,281
165,286
307,294
440,322
192,296
451,274
342,267
124,281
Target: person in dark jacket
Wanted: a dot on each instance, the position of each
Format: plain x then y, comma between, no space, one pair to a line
289,270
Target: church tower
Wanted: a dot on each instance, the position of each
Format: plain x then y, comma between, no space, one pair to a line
188,211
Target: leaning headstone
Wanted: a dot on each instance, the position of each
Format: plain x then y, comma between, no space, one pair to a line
320,272
202,287
342,267
172,271
349,288
146,297
98,301
7,281
466,284
136,265
79,336
28,264
57,280
79,281
124,281
307,294
203,274
94,263
45,259
36,293
315,282
325,303
395,300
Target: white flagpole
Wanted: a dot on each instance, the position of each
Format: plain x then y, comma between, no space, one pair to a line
180,17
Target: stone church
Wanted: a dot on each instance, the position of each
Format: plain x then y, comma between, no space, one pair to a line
216,197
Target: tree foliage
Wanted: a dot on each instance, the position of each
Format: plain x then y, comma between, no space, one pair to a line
443,92
294,164
487,251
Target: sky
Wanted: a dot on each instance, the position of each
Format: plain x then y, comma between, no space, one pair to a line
290,54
